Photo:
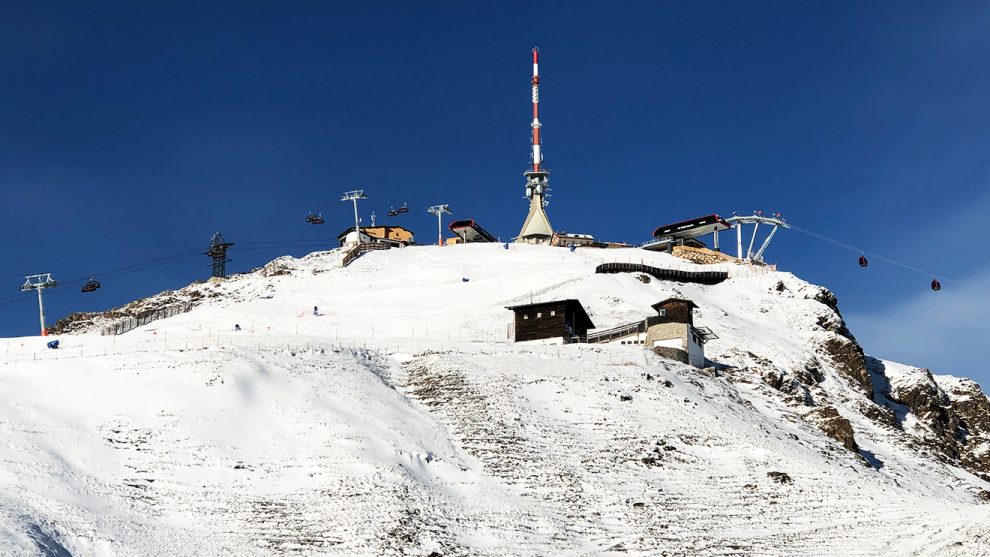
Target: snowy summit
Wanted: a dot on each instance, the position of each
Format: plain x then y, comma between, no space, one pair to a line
383,408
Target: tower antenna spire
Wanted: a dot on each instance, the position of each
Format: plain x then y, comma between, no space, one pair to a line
536,229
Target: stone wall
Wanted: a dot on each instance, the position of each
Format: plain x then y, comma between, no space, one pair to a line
672,353
702,256
665,331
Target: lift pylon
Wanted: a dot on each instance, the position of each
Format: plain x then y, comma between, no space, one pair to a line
39,283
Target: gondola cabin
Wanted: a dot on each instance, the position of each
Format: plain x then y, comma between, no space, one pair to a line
557,322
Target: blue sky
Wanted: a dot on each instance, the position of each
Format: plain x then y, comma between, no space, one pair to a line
131,131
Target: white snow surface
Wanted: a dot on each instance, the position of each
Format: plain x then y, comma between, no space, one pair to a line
401,420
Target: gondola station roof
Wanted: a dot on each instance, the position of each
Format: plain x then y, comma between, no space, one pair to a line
692,228
470,231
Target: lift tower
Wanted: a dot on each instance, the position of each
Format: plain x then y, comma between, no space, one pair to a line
39,283
440,211
218,252
354,196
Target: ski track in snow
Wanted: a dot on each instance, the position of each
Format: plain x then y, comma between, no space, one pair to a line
401,421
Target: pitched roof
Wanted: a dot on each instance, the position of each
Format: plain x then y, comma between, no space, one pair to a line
669,300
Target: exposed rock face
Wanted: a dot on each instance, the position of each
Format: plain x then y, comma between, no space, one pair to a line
930,405
879,413
971,410
82,322
788,384
848,358
841,347
75,321
953,414
828,419
833,323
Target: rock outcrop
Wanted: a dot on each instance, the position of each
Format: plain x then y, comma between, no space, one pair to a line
953,414
840,346
971,410
828,419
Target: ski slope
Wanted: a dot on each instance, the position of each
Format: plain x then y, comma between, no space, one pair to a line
401,420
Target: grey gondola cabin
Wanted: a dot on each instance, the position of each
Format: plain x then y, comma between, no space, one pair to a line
558,322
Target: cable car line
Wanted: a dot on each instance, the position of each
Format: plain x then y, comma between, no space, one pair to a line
863,253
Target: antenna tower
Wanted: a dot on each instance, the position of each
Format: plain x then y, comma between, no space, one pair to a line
536,229
39,283
439,211
218,252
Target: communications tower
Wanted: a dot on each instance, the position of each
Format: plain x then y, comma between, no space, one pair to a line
536,229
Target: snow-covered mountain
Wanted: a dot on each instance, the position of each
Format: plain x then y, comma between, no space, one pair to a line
401,420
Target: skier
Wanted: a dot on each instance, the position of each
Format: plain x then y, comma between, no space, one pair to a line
316,310
53,344
237,327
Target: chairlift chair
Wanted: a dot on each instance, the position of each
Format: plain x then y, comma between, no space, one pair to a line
91,285
936,285
315,219
402,209
862,261
392,212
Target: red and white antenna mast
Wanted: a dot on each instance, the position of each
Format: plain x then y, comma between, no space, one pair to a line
537,155
536,229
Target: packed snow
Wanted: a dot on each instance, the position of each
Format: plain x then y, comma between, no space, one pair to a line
400,419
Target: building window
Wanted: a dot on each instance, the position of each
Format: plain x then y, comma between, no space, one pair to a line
552,313
539,314
525,316
662,312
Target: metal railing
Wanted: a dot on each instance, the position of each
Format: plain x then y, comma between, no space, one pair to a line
617,332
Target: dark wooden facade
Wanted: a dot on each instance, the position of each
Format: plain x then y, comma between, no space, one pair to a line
564,319
675,310
699,277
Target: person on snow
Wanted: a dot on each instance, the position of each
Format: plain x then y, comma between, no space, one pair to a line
237,326
316,310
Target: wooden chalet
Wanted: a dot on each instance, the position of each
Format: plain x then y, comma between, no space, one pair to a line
560,321
394,236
